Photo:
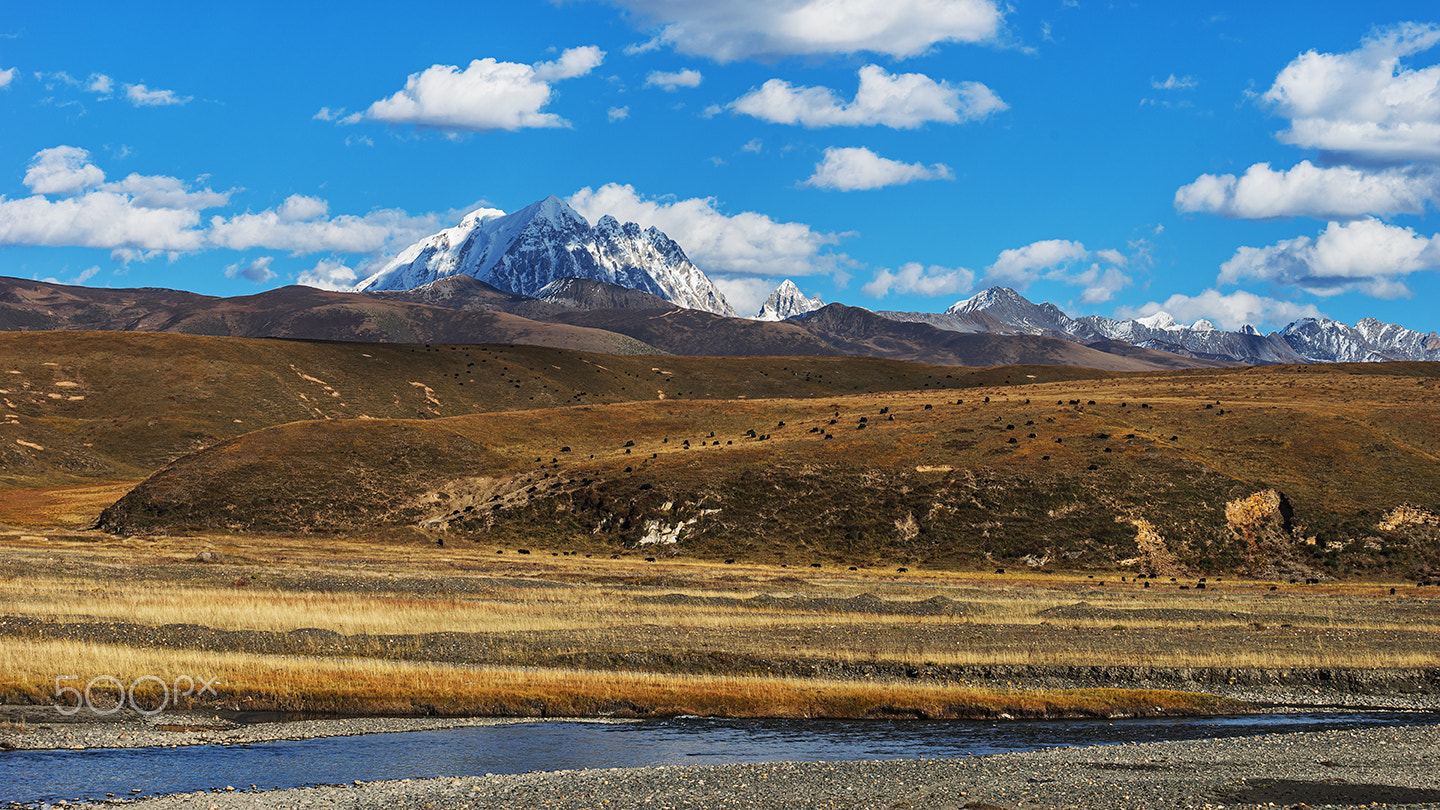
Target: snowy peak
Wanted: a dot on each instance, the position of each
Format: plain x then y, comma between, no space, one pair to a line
1160,320
993,298
547,241
1015,311
786,302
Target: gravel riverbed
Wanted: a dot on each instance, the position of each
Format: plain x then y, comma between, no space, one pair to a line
1387,767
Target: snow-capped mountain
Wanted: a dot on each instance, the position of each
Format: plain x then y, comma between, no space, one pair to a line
1326,341
1014,310
546,241
786,302
1310,340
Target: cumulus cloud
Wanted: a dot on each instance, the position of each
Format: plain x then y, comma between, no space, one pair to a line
1366,255
73,206
672,81
159,191
142,96
6,77
617,114
62,170
915,278
1339,192
573,62
899,101
1100,283
1229,311
300,225
743,244
329,274
1021,267
486,95
99,219
730,30
855,168
100,84
746,294
257,271
1098,273
1364,103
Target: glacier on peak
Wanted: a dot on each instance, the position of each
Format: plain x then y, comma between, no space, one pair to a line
546,241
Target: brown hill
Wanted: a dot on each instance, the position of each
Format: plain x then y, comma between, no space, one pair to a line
588,316
85,406
1284,471
287,312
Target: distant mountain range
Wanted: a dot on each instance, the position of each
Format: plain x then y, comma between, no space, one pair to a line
1000,310
540,250
543,276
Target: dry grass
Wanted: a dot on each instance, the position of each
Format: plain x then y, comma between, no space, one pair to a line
73,506
254,681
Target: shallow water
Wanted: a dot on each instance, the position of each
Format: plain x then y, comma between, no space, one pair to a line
45,776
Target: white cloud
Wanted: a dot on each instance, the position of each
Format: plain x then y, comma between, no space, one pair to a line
142,96
855,168
301,208
144,214
159,191
329,274
913,277
257,271
99,219
62,170
754,145
573,62
617,114
1228,311
6,77
746,294
1365,102
300,226
1174,82
1100,283
487,95
1339,192
100,84
1056,260
1366,255
1021,267
899,101
671,81
720,244
729,30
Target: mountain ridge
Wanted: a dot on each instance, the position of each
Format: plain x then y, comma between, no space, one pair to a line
1308,340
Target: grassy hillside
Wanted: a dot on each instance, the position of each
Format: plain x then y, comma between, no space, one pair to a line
87,406
1157,474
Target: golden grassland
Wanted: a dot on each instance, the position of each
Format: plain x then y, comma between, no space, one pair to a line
633,643
351,685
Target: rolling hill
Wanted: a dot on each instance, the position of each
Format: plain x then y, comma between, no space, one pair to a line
1277,472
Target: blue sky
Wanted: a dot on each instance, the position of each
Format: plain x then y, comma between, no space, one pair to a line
1242,162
